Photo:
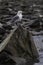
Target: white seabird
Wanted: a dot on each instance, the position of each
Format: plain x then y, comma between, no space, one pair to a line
19,14
16,18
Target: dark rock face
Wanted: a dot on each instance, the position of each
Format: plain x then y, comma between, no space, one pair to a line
5,60
21,45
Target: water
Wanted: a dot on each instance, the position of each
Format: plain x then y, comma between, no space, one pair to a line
40,59
39,45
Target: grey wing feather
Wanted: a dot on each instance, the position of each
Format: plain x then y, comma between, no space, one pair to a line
15,18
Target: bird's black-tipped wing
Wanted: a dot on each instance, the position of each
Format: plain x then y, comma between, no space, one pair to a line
15,18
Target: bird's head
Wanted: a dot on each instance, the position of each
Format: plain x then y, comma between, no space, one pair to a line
19,12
